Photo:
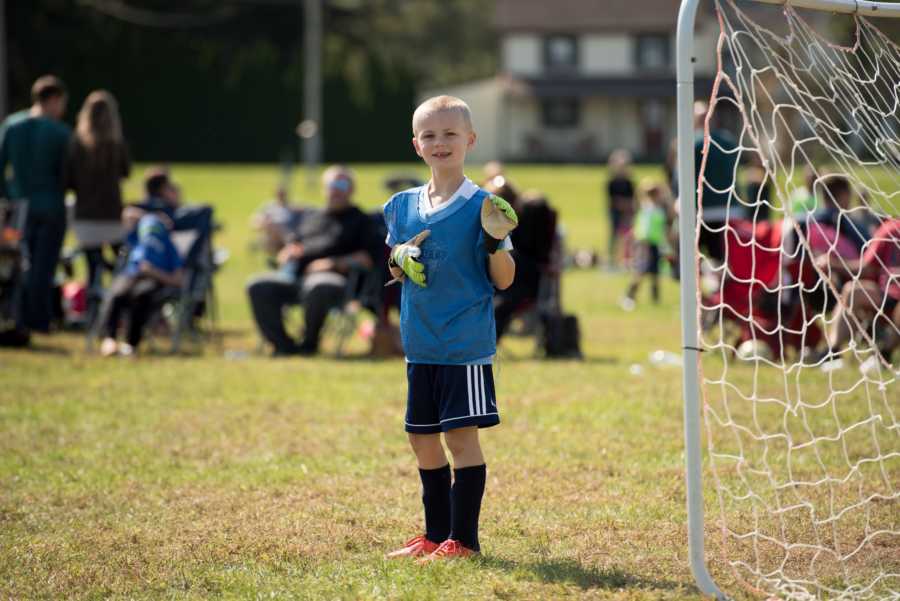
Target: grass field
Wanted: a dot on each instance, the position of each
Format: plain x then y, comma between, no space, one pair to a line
214,477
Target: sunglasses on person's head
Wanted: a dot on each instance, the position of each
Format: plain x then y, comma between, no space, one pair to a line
340,184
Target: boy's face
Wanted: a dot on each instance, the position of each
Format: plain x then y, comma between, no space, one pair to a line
442,140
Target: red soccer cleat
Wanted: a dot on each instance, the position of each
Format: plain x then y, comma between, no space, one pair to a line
415,547
449,549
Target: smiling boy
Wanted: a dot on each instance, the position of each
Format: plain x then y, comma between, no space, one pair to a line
450,246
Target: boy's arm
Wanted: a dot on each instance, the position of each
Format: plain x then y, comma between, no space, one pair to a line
502,268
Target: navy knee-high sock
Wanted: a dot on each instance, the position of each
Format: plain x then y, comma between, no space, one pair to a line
436,499
468,488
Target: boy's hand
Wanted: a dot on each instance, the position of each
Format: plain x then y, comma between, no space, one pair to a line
404,256
498,219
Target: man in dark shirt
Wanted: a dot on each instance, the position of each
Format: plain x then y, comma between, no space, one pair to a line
718,182
33,142
314,266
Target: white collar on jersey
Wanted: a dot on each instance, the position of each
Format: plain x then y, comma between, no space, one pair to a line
466,190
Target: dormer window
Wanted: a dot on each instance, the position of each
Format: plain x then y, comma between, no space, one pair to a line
653,52
560,53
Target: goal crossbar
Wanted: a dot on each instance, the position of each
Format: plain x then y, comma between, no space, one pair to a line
689,294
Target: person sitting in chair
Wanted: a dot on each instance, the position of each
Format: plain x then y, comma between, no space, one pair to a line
532,245
153,263
314,266
164,199
871,294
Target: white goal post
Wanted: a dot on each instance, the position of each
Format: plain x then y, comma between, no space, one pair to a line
689,293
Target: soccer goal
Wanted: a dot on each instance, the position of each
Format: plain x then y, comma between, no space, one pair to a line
790,266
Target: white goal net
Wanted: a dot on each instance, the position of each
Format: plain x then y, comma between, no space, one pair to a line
799,254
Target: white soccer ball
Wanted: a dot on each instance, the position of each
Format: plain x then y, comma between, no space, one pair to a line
751,350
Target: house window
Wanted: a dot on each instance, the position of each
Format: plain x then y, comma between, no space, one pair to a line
560,53
561,112
653,51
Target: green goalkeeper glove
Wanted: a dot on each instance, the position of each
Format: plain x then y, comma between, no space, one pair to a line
498,219
404,256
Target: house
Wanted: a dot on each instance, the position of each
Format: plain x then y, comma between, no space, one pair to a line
579,78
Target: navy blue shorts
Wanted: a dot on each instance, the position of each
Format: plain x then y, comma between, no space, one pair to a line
446,397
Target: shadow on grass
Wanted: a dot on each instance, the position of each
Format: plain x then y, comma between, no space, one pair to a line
39,348
567,571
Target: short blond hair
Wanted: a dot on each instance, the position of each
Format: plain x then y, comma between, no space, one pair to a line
439,104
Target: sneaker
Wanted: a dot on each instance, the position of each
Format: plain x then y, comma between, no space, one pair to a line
449,549
414,547
109,347
126,350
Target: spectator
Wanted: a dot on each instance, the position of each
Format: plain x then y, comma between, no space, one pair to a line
651,237
834,196
670,166
873,295
276,220
524,288
758,190
620,191
314,266
33,142
153,263
96,163
718,182
164,200
533,241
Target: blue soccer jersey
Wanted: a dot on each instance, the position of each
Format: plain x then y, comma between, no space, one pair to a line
451,321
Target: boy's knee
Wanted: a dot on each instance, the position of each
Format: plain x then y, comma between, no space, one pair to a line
424,443
461,441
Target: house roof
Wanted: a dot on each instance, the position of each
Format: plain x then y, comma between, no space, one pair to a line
572,16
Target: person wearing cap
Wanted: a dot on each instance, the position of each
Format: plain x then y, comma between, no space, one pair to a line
313,267
33,142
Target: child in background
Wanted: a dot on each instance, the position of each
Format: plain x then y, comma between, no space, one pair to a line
153,263
651,241
620,191
450,246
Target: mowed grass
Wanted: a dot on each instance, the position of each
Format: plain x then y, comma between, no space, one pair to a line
225,476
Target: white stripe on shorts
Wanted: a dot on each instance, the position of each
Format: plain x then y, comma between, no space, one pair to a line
477,390
483,395
469,386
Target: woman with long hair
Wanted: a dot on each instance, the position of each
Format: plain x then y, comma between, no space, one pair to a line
97,162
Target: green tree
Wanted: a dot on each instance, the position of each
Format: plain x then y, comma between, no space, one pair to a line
223,80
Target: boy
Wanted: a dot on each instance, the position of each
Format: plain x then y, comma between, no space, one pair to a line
650,227
450,246
153,263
